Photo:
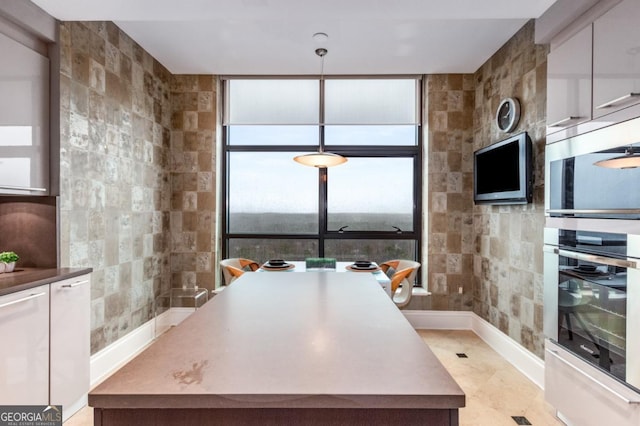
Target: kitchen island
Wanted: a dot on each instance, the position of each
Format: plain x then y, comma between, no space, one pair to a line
278,348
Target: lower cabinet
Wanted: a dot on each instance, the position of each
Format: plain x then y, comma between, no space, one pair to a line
44,345
585,396
24,352
70,346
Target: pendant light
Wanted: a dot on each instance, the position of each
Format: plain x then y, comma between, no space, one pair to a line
320,159
629,160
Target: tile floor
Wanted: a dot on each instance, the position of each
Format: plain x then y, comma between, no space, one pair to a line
495,390
83,417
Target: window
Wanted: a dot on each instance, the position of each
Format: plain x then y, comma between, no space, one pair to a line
371,194
271,194
367,208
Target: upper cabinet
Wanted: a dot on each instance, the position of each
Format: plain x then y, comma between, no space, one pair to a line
24,119
569,82
616,59
593,76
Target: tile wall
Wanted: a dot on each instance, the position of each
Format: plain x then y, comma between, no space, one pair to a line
137,191
193,180
449,101
114,173
493,253
507,265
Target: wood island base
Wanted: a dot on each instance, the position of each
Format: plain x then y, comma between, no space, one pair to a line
274,416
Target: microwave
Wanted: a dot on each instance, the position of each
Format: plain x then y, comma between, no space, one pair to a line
596,174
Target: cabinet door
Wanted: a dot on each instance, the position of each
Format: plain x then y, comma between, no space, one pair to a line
24,119
616,58
70,345
584,395
569,82
24,352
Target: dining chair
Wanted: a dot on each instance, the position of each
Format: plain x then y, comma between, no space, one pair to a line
402,273
233,268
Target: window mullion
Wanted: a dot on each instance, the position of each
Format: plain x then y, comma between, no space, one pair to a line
322,202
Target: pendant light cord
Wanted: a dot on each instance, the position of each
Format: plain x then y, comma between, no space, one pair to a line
321,52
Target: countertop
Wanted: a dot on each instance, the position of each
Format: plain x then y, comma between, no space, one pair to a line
312,340
26,278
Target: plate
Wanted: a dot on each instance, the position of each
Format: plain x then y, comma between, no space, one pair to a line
593,273
354,268
284,267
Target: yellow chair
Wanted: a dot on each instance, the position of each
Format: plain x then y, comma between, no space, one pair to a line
402,274
233,268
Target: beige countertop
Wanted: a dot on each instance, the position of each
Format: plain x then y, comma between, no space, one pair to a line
282,340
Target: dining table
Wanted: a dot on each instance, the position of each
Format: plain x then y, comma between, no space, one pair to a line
319,348
301,266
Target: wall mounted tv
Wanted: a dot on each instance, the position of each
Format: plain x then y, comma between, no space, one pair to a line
502,172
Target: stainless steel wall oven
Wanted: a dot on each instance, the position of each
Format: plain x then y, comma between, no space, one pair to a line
583,181
592,324
592,276
591,295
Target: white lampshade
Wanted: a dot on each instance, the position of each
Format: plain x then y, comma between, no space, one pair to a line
627,161
320,159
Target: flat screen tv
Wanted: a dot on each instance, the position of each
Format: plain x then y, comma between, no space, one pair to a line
502,172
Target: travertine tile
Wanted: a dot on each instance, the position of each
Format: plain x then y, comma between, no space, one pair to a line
494,389
515,232
106,126
192,180
450,125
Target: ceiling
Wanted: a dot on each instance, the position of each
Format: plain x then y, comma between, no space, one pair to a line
244,37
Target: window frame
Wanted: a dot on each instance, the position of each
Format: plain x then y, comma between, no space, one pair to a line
351,151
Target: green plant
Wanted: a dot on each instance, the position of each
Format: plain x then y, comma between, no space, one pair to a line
8,257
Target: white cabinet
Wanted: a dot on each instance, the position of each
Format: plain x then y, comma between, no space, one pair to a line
24,350
616,58
584,395
24,119
44,349
569,82
70,345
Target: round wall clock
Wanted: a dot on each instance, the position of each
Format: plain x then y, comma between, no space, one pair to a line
508,114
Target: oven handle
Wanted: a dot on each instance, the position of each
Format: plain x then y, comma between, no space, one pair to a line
593,211
593,379
596,259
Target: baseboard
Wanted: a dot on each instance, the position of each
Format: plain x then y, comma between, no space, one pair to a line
523,360
564,420
439,320
114,356
171,318
73,408
108,360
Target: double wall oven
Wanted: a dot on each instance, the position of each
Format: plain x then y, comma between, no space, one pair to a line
592,276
